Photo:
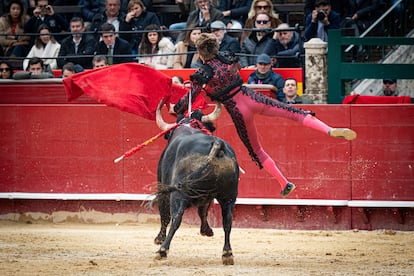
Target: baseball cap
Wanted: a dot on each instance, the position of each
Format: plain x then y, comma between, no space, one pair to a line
218,25
263,58
392,81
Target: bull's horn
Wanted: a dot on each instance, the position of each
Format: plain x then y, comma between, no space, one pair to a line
160,121
213,115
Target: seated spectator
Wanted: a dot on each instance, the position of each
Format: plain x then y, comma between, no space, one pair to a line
90,8
99,61
12,23
112,15
389,87
35,70
290,89
68,70
78,47
156,49
235,11
113,47
265,75
257,41
257,7
359,15
6,70
204,14
45,47
44,14
136,20
191,59
285,44
226,42
322,19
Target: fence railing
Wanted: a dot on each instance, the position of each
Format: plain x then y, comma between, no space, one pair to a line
340,70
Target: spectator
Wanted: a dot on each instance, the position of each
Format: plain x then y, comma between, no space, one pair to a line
157,49
111,15
290,89
321,20
359,15
91,8
78,47
257,41
113,47
389,87
45,47
68,70
235,11
284,44
35,70
12,23
191,59
6,70
136,20
265,75
203,15
257,7
337,5
44,14
99,61
226,42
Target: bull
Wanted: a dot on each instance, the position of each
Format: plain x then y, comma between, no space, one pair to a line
194,169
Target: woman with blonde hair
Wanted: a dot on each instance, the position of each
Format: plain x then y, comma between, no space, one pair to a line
220,79
257,7
46,47
189,57
156,50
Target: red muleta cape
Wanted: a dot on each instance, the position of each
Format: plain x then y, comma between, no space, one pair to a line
130,87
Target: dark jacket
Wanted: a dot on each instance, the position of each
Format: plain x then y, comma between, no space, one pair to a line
137,24
368,11
86,47
274,48
57,23
238,10
229,44
273,79
311,28
121,47
252,47
193,17
101,18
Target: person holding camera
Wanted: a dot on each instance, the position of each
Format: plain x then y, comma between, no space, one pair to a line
320,20
44,14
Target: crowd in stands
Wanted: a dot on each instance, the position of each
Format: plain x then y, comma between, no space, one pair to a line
130,31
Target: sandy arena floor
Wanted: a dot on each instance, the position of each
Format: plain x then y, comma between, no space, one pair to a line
96,249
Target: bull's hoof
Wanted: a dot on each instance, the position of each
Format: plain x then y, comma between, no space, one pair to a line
161,254
159,239
227,258
206,231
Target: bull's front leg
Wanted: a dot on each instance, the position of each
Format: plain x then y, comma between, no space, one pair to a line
165,217
227,215
177,211
205,229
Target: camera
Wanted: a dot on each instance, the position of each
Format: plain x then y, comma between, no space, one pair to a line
321,15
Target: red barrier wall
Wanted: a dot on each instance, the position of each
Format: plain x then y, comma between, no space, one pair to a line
49,146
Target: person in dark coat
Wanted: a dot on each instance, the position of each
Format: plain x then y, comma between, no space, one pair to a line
44,14
78,47
320,20
136,20
112,46
112,14
227,43
235,10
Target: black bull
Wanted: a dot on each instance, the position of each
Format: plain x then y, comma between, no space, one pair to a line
194,169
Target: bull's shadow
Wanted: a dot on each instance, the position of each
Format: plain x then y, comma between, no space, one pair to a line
194,168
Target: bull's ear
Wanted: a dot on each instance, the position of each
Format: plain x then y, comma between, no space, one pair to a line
213,115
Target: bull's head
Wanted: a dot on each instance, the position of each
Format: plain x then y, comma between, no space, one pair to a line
209,118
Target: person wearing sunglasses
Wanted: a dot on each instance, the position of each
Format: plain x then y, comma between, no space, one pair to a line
255,44
219,78
6,70
389,87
